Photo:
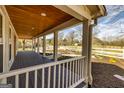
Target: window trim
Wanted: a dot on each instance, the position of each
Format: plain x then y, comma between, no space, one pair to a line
2,39
10,43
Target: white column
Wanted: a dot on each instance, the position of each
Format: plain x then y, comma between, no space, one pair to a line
44,45
24,45
86,43
55,45
38,45
5,35
90,78
12,38
5,45
32,44
35,45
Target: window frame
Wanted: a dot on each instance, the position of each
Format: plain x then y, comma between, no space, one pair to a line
1,14
10,36
2,39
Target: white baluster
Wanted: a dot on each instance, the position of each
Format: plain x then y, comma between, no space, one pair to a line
67,75
35,79
54,83
49,76
83,68
27,78
78,69
70,73
59,76
17,81
43,77
73,72
63,75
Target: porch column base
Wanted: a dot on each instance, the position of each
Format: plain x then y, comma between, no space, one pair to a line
89,85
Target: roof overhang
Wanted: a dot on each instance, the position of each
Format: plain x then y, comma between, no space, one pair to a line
58,17
83,12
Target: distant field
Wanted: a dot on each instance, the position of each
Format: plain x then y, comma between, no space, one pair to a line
76,51
109,52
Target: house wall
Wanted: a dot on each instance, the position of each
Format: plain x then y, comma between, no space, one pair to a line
8,43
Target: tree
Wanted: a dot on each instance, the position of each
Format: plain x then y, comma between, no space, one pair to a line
60,38
70,37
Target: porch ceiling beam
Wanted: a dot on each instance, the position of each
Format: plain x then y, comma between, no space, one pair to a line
62,26
80,12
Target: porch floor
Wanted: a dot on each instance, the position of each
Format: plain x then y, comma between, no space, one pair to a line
103,75
30,58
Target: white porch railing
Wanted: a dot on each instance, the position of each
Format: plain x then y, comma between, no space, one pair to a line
65,73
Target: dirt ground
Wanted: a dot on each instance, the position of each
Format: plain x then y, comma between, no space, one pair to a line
107,60
103,76
103,71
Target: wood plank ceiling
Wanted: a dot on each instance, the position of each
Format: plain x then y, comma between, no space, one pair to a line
32,20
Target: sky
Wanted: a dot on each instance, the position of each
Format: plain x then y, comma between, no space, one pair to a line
67,31
109,27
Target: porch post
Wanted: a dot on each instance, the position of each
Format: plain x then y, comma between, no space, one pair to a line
32,44
24,45
87,36
44,45
5,48
35,45
38,45
90,78
55,45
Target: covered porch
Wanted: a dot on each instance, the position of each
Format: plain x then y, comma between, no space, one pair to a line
49,73
35,22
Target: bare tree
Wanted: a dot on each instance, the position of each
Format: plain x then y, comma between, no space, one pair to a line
61,38
70,37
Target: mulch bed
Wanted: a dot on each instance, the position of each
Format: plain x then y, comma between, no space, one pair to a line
103,76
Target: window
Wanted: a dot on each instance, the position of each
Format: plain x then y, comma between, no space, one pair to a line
9,33
1,58
1,46
0,28
10,45
9,51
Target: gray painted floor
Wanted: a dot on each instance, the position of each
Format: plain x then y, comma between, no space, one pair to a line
30,58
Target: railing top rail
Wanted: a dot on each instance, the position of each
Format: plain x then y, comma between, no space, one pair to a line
36,67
